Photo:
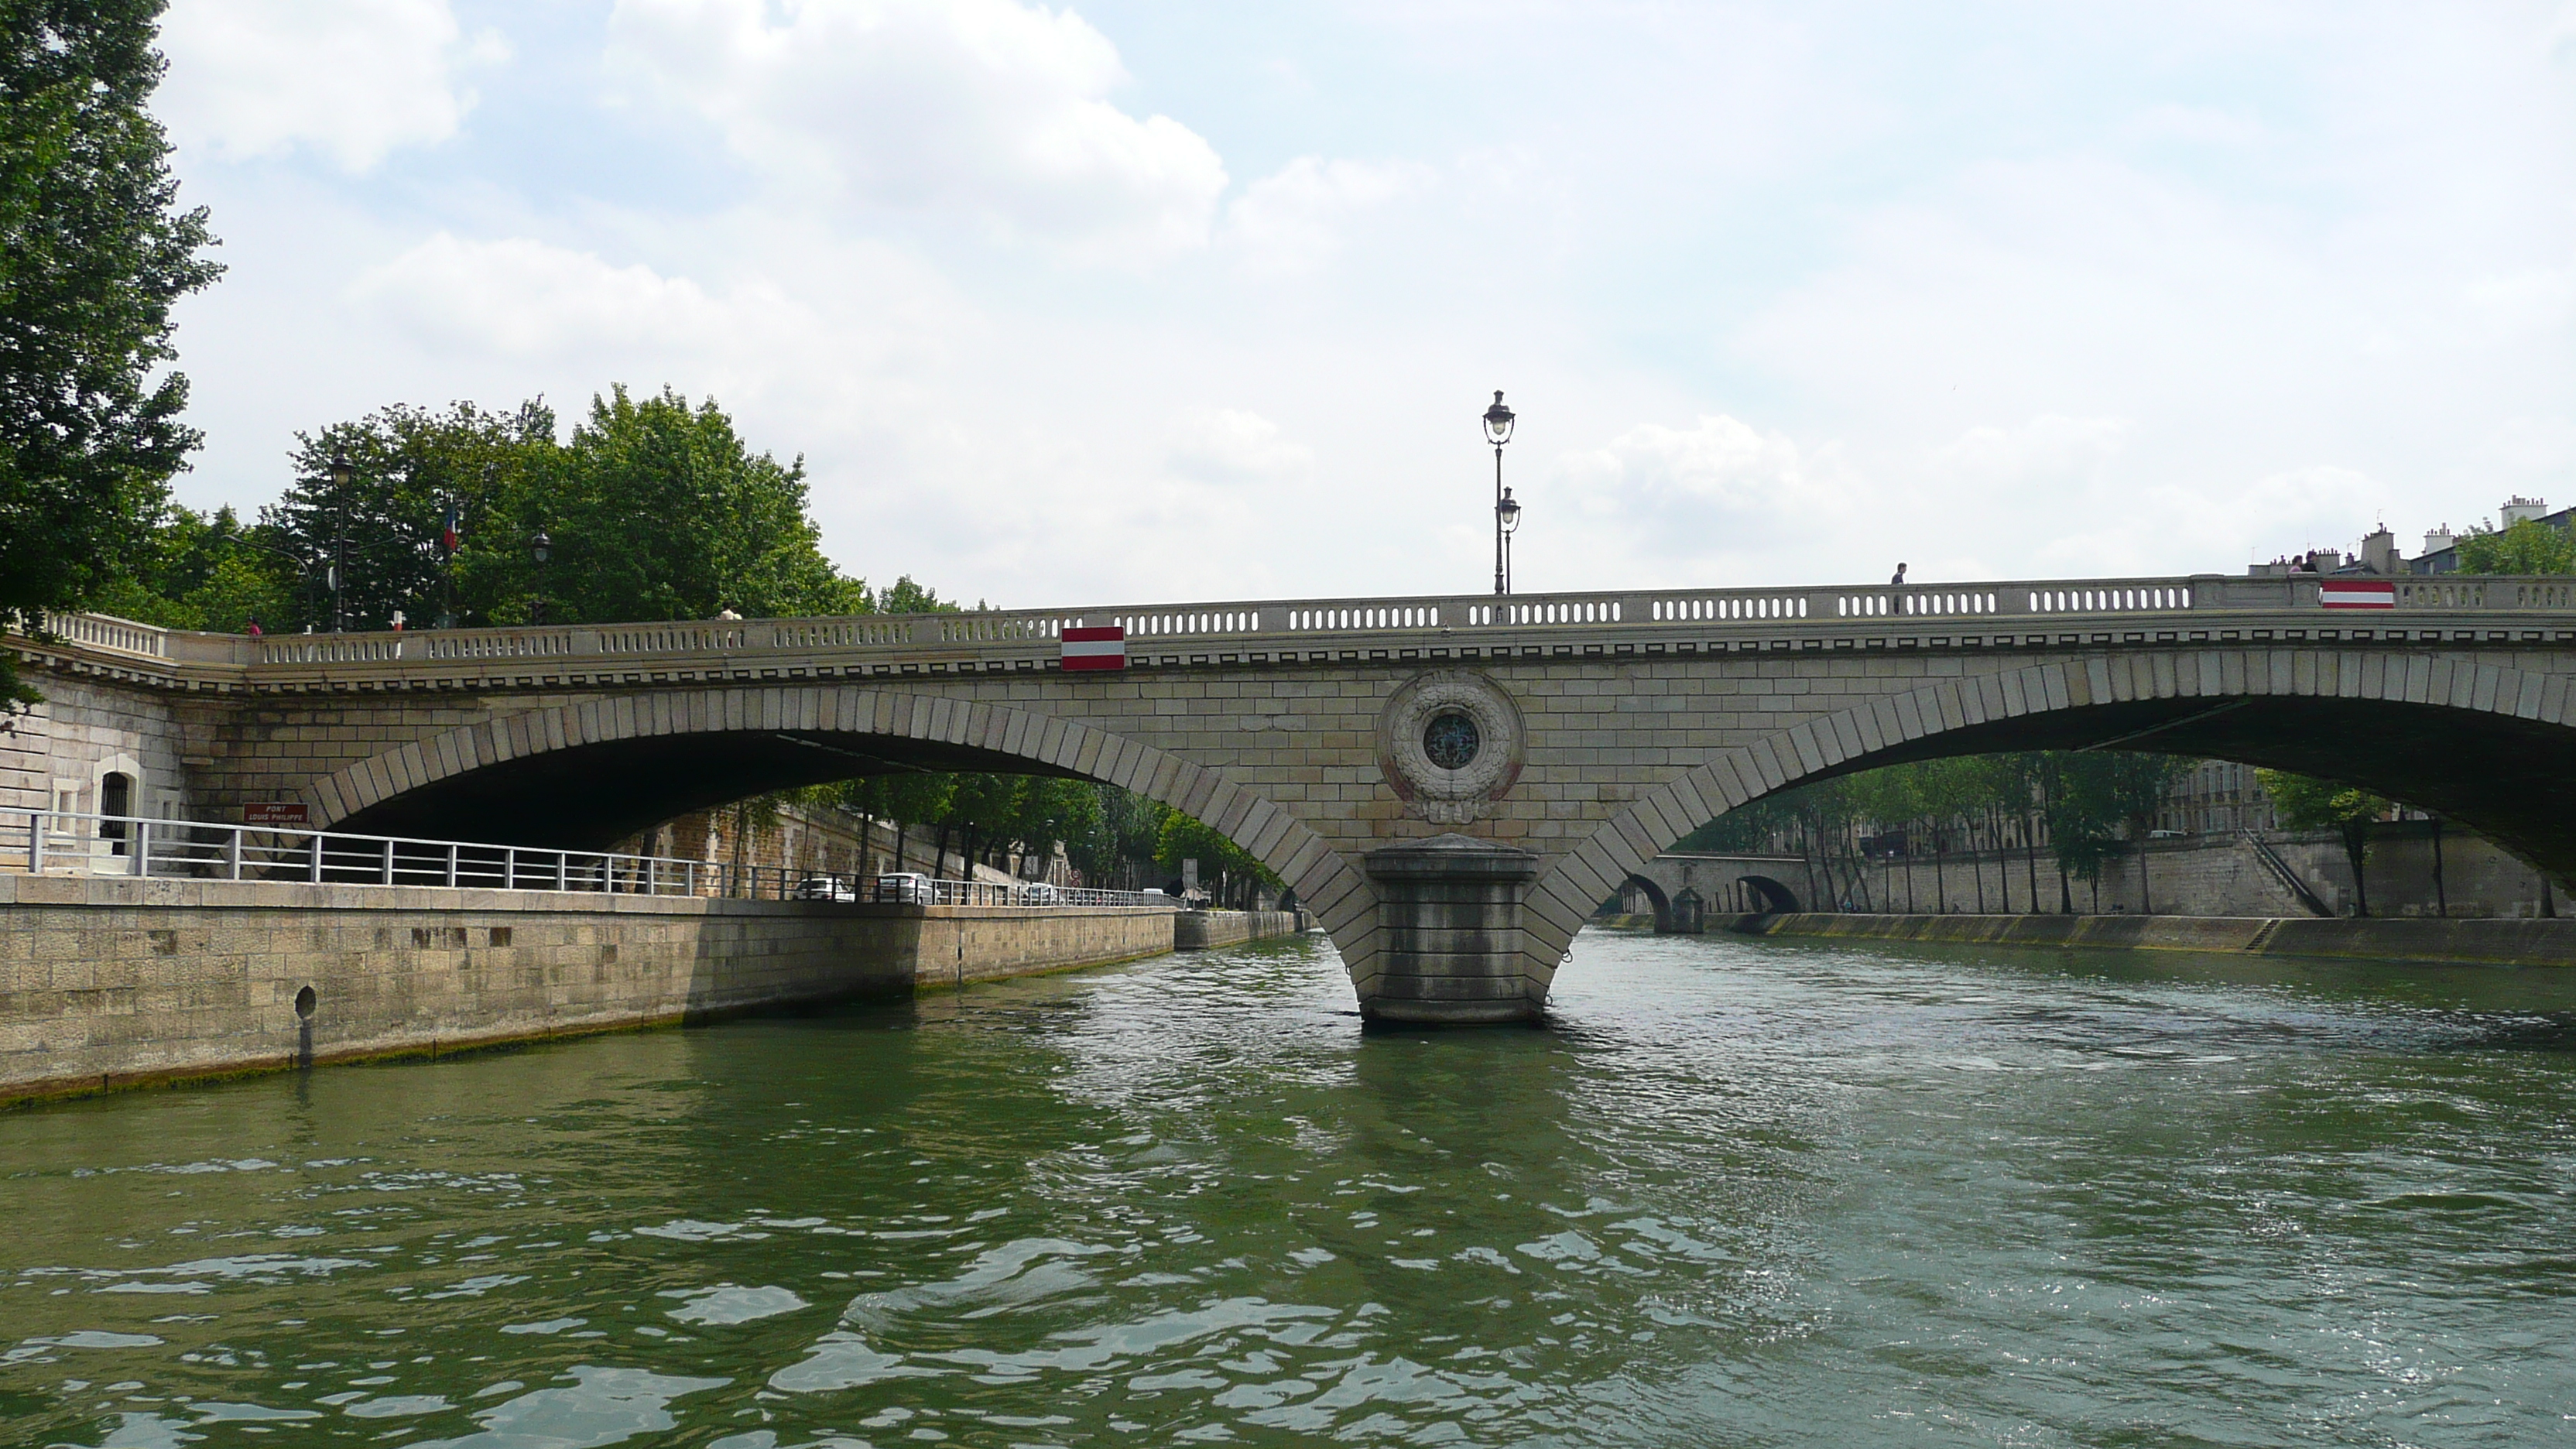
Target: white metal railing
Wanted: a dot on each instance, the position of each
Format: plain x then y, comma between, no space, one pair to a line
43,842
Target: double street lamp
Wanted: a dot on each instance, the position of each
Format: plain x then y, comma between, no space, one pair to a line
1507,514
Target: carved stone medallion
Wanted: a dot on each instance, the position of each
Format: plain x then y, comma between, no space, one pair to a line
1451,743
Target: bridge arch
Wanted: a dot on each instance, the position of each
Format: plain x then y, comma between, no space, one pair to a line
566,775
1775,897
2487,744
1655,897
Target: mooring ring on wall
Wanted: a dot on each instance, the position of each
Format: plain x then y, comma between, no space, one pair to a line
1451,743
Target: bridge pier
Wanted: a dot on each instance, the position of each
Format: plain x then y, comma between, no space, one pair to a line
1449,917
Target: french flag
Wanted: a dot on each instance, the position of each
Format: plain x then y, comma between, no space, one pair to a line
449,533
1094,648
2357,593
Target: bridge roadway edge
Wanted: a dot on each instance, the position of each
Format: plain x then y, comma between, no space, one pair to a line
1636,733
110,981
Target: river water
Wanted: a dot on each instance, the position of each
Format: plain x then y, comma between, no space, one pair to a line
1737,1193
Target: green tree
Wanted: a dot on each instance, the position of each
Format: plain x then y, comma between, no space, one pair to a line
1114,847
655,509
2303,802
907,798
203,571
2526,547
2098,805
1224,867
383,528
660,511
93,251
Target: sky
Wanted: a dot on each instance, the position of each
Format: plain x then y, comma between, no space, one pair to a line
1133,302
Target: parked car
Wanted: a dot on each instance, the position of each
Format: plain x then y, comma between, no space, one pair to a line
827,888
907,888
1040,893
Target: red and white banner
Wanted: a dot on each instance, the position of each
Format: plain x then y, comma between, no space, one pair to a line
2357,593
1103,648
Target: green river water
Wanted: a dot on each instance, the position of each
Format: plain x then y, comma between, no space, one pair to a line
1737,1192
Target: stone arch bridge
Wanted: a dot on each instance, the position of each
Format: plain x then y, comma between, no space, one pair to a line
1450,784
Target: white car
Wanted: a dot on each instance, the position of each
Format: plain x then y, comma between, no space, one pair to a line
827,888
907,888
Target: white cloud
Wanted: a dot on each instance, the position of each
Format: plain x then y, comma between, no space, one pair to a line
2196,125
351,79
987,108
1293,220
2049,453
1720,463
1222,445
519,297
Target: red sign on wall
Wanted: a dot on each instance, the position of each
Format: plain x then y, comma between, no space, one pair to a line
276,812
2357,593
1094,648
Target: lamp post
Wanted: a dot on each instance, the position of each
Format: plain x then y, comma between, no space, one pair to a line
339,540
540,548
1507,514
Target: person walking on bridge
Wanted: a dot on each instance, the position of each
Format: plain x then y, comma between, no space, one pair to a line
1898,581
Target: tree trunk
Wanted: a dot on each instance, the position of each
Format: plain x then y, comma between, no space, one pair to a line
2441,894
2065,894
2356,847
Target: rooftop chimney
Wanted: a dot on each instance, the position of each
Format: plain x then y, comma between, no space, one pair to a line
2518,509
2379,551
2438,539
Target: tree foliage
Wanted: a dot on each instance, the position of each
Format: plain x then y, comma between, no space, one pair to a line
94,250
2098,803
199,571
1226,870
2303,802
2525,547
2095,807
654,508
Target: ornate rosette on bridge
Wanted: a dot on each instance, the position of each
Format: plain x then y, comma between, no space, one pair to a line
1451,743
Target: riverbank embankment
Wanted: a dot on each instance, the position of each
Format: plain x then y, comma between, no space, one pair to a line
110,981
1204,930
2486,941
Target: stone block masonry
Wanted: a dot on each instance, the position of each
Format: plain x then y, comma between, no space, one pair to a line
1203,930
109,981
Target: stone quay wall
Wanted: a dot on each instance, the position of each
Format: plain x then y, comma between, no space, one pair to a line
1200,930
110,981
2491,941
2212,875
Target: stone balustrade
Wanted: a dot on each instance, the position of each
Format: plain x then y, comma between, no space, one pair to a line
2054,612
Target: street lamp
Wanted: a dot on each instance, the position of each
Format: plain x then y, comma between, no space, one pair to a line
1507,514
540,548
339,538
